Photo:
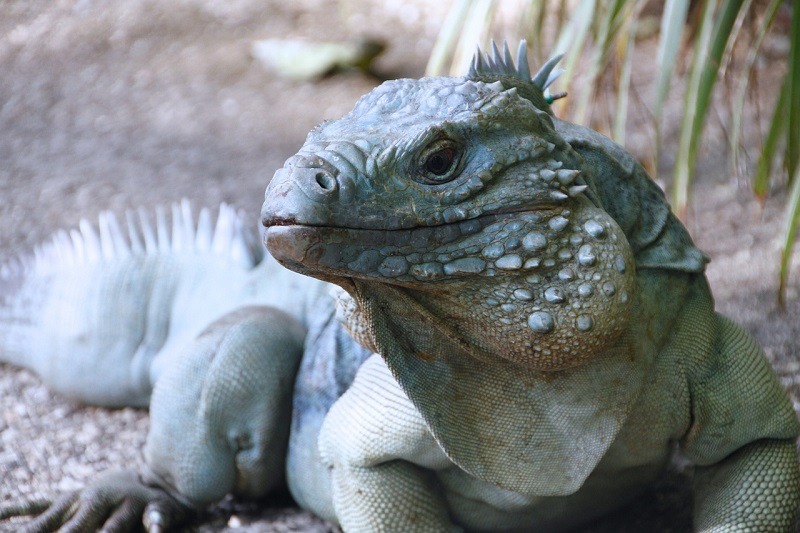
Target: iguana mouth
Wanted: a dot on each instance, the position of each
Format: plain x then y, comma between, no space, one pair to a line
488,217
401,255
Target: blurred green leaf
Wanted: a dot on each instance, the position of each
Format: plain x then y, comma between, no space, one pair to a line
793,141
673,20
791,92
572,39
737,105
627,43
777,129
475,30
682,171
445,44
532,27
710,44
790,228
611,16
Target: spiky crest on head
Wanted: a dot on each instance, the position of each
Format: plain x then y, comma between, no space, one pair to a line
499,66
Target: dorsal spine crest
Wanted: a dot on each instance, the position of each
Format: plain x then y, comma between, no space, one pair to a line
89,245
500,65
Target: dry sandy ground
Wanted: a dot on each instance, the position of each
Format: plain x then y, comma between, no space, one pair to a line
125,103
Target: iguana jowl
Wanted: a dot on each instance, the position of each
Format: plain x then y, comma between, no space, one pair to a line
546,336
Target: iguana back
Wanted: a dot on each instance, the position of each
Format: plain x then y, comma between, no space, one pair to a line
99,315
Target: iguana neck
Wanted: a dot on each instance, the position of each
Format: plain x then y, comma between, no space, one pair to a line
537,422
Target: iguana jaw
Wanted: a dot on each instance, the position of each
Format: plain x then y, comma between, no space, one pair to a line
402,256
525,285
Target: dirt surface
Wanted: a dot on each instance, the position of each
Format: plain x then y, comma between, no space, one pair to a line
111,105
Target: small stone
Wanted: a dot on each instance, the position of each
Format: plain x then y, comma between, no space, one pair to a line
584,323
564,254
541,322
595,229
575,239
586,255
619,263
554,295
467,265
534,241
585,290
508,308
609,289
558,223
509,262
523,295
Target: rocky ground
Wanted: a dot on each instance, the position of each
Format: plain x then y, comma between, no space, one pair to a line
110,105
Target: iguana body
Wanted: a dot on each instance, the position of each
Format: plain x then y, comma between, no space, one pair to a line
120,303
546,336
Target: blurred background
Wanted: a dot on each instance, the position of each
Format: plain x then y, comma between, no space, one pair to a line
123,103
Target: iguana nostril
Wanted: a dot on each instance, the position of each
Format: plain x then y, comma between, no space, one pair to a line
326,181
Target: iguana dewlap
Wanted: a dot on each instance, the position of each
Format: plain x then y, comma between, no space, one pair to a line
524,337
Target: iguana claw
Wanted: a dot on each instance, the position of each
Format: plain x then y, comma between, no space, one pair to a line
156,518
117,502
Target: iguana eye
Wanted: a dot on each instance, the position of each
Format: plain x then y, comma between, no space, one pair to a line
440,162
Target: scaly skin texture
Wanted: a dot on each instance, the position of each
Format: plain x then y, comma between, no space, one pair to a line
545,329
524,337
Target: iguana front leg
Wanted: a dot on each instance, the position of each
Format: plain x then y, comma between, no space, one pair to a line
755,489
382,455
743,440
220,416
219,424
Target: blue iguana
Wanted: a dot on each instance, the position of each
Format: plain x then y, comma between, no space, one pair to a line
522,337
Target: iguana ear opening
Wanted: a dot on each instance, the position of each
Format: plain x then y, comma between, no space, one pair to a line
499,66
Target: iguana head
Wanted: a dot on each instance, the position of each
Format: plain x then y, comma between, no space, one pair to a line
459,194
